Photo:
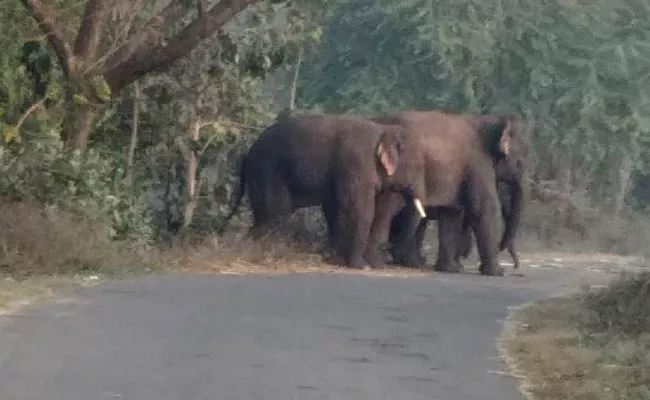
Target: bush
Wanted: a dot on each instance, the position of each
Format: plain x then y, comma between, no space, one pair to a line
621,309
37,239
91,183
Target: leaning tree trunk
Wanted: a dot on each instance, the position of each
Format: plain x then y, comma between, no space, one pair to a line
623,183
77,126
191,166
130,151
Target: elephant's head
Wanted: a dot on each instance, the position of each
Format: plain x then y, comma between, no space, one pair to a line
401,164
508,145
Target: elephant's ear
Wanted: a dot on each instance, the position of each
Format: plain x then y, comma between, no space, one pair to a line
387,160
504,141
389,149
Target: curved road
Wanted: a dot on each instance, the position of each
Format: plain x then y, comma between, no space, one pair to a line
269,338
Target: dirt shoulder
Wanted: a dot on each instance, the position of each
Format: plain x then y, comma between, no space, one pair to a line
593,344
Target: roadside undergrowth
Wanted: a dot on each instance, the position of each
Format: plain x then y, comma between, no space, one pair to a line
45,250
593,345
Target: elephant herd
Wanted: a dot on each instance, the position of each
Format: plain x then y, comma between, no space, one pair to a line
379,180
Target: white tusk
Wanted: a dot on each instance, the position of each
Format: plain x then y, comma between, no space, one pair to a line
418,206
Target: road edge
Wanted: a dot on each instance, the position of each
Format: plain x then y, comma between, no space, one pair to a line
508,332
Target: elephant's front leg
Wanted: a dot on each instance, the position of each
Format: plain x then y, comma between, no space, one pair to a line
485,218
465,239
449,230
387,204
407,248
354,217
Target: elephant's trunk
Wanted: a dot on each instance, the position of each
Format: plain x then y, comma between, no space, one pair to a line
513,217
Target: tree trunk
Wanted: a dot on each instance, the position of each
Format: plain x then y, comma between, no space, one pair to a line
294,82
77,127
623,183
130,152
191,166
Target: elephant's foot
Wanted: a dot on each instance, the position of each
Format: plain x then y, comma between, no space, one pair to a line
407,259
375,258
450,267
496,270
413,261
358,262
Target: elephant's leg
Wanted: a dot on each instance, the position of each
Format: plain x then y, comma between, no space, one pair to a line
397,233
465,239
271,205
411,248
405,246
354,215
512,249
387,204
485,218
464,244
449,227
329,212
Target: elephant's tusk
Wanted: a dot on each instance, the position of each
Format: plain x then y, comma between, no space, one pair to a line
418,206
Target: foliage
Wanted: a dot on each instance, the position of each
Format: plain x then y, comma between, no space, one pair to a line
90,183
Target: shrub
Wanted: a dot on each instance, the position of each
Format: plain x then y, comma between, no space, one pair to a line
91,183
621,309
37,239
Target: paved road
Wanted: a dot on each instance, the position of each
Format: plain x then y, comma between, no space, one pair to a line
269,338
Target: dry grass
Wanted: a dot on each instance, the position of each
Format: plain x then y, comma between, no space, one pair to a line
590,346
15,294
36,240
45,250
232,254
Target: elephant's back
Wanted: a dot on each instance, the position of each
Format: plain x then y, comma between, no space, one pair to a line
298,151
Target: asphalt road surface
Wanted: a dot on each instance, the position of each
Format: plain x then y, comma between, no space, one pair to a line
269,338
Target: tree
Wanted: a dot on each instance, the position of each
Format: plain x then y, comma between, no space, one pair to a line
119,41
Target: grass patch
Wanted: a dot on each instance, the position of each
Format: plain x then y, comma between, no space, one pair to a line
595,345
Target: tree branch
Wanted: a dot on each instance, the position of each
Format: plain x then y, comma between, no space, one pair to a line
147,35
87,41
43,16
157,58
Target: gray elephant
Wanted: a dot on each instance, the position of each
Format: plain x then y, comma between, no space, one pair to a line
341,163
461,153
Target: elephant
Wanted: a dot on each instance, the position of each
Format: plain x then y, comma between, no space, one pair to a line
339,162
463,155
411,254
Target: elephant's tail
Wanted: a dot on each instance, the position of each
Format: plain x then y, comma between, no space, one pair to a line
237,196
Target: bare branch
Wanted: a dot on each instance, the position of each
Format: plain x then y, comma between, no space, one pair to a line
156,58
43,16
30,110
87,41
147,35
